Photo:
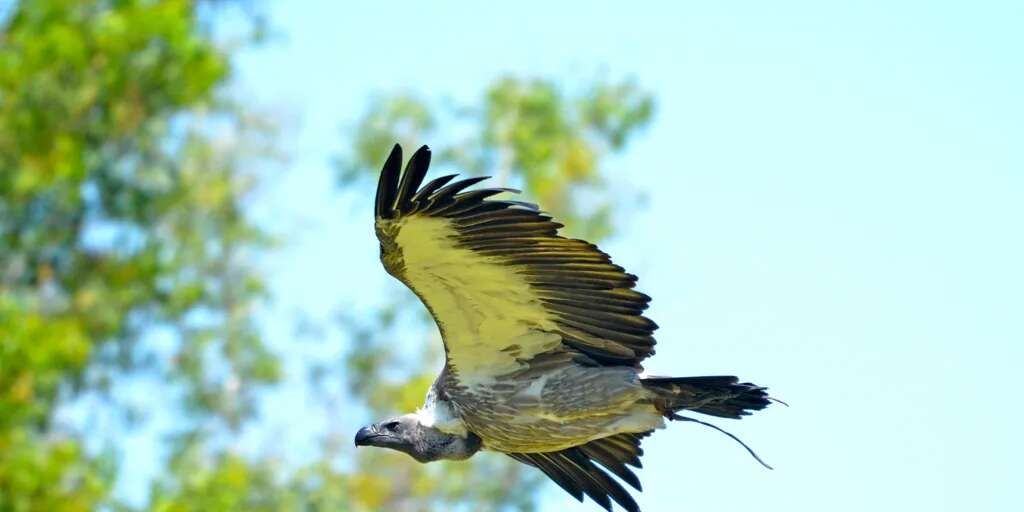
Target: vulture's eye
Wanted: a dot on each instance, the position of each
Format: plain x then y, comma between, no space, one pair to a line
390,426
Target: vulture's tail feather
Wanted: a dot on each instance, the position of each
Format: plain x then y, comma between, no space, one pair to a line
721,396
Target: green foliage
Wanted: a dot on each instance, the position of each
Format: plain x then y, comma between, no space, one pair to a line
531,134
51,476
124,250
119,216
226,482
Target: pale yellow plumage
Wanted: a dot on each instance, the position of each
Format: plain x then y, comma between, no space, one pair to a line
481,305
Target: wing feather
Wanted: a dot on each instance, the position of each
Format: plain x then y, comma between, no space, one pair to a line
415,171
496,275
420,199
386,186
575,472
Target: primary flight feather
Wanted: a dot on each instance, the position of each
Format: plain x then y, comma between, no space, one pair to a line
543,335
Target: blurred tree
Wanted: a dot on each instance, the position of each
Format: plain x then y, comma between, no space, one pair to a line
120,218
124,250
530,134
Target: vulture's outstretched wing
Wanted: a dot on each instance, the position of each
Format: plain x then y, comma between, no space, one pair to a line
574,469
498,280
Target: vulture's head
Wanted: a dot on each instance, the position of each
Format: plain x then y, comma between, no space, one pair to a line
426,444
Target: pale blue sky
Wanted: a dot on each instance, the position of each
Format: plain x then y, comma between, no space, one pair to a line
835,209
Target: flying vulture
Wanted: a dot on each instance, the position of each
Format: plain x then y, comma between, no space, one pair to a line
543,335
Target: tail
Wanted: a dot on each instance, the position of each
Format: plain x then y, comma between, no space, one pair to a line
716,396
721,396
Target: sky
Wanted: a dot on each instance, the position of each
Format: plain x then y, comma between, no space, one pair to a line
834,209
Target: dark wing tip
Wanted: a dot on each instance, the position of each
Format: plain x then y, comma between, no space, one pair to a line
387,185
397,190
415,171
573,471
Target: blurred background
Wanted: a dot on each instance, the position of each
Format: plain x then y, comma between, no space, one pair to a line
822,199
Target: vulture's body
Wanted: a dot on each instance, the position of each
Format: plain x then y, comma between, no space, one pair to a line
544,338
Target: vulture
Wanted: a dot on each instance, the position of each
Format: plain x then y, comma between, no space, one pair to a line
543,339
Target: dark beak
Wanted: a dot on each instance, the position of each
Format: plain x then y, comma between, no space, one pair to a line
366,435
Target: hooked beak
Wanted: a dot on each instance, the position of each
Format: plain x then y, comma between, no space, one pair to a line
366,436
